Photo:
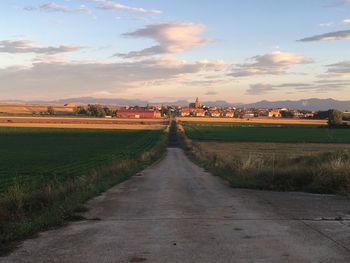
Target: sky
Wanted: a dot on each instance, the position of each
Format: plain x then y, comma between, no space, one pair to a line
161,50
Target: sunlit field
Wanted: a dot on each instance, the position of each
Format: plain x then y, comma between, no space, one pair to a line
267,133
273,157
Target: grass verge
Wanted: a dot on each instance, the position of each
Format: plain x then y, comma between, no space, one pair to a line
326,173
24,212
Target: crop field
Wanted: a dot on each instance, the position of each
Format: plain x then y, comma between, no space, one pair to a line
245,150
37,155
307,158
208,120
84,123
267,133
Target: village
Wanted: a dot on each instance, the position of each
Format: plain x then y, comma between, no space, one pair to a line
196,109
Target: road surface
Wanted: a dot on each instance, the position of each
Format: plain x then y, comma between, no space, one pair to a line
176,212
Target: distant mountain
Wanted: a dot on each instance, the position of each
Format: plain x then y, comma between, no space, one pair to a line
92,100
306,104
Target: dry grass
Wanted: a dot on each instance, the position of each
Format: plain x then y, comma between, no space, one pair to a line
87,126
253,120
280,150
284,167
88,123
80,120
30,108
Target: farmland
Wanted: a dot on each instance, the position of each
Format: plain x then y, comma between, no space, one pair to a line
84,123
273,157
210,121
267,133
47,174
35,155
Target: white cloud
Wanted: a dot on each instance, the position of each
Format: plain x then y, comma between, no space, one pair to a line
274,63
60,78
111,5
346,21
315,86
327,24
259,89
53,7
338,35
28,46
170,37
341,68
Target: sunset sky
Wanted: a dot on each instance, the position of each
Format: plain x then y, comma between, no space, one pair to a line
162,50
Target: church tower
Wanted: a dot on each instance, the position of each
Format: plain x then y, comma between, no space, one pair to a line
197,104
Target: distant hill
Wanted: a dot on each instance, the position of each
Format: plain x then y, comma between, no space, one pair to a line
306,104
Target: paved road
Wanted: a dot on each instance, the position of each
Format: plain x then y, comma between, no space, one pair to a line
176,212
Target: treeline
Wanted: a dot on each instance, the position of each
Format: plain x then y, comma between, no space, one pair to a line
335,118
94,110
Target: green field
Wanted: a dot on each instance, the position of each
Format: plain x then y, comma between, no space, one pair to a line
36,155
263,133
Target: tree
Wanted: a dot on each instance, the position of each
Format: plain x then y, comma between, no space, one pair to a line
108,111
335,118
287,114
96,110
165,111
50,110
322,115
80,110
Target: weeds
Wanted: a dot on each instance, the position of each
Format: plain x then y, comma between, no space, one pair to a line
327,173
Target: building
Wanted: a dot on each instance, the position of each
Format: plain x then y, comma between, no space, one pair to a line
199,113
195,105
215,114
274,114
185,112
228,114
137,114
248,115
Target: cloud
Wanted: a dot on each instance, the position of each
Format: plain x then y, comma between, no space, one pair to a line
28,46
324,88
259,89
171,38
326,24
315,86
337,3
53,7
346,21
274,63
341,68
207,83
111,5
211,93
59,79
339,35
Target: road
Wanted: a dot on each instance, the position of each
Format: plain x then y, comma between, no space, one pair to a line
174,211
